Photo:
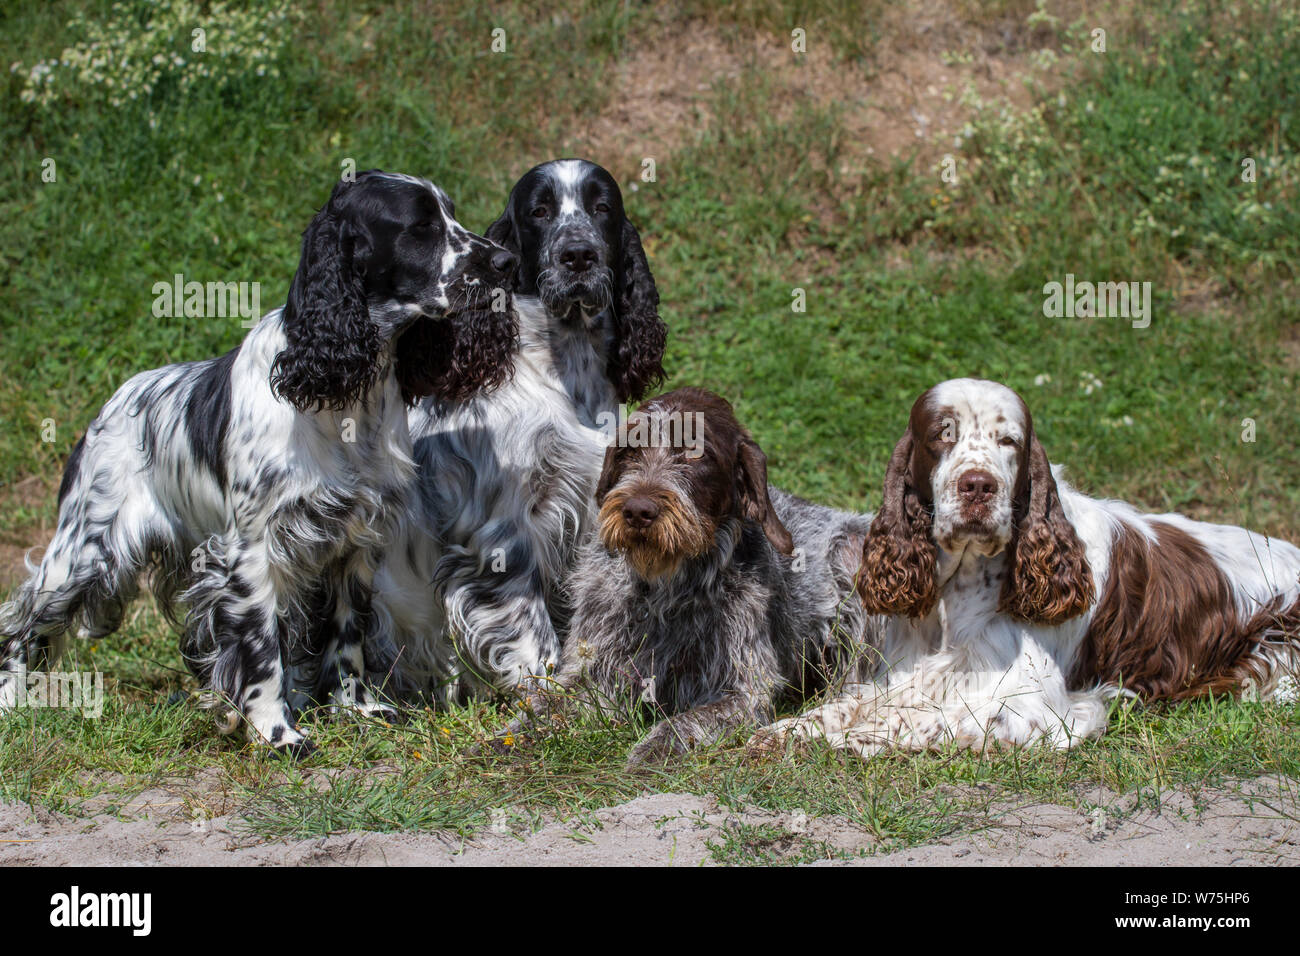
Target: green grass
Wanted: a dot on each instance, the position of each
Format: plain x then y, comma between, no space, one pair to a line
1130,171
423,772
766,844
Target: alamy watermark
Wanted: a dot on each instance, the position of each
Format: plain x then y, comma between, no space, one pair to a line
670,430
210,300
1102,300
63,690
133,911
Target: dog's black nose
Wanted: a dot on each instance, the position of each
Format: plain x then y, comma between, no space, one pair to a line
578,256
640,512
504,261
977,486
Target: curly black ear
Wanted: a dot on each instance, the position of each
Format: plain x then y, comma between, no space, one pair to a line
1049,580
640,335
455,360
752,495
332,349
503,231
899,555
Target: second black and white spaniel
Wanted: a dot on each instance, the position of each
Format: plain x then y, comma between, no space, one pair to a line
1018,607
260,487
472,592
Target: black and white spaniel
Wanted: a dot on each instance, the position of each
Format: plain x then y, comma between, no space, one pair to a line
260,487
1018,606
472,592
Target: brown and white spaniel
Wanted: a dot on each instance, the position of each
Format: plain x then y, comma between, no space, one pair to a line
1018,607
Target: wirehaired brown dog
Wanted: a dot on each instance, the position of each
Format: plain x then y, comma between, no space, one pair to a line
706,597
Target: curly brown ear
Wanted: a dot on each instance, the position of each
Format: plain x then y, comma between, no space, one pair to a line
899,555
1049,580
755,504
608,473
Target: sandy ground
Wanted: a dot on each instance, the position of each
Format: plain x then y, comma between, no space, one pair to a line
1252,825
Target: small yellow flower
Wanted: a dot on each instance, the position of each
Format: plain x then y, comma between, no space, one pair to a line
446,731
509,740
417,755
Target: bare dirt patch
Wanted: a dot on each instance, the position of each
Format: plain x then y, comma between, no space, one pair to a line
12,565
1254,824
900,101
30,494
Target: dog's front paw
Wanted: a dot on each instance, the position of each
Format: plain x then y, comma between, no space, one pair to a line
299,749
664,742
372,709
273,726
286,741
352,697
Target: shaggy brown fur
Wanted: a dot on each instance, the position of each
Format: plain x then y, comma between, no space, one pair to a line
1167,626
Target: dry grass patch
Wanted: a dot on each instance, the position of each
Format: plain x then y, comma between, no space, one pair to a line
901,100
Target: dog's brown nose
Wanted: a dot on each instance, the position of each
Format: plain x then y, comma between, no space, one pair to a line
640,512
977,486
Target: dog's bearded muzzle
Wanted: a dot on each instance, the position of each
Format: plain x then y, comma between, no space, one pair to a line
572,296
654,551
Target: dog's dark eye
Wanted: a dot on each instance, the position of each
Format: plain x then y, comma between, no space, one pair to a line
539,212
423,227
602,207
1008,441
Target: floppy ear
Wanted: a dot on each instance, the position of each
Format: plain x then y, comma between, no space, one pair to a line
608,474
1049,580
455,360
752,495
640,335
331,352
899,555
503,231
